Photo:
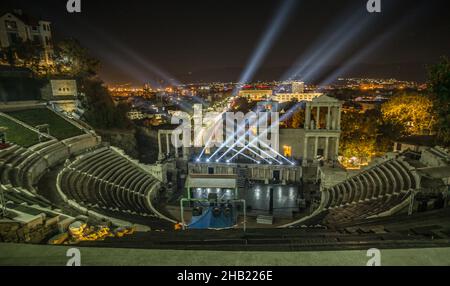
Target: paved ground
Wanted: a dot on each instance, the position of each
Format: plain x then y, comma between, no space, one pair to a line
14,254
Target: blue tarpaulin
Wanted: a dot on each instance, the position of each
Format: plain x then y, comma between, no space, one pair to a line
208,220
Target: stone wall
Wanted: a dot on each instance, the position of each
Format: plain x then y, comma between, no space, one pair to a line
293,138
147,144
125,140
11,231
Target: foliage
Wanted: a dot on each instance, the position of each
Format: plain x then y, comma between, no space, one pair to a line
72,59
101,111
298,118
240,104
359,136
411,113
25,54
439,85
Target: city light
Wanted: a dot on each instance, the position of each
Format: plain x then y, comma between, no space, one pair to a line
218,129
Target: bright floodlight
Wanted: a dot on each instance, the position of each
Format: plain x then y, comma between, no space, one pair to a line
266,42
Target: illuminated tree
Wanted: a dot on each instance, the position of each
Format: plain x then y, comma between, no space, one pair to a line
298,119
360,137
26,54
412,113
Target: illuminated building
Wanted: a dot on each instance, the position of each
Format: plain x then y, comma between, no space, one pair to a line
256,94
285,97
62,95
16,26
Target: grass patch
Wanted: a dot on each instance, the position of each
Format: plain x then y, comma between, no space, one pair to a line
59,127
18,134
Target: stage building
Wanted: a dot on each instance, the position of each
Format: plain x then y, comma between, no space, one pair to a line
231,170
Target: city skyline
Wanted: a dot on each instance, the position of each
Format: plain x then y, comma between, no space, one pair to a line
200,41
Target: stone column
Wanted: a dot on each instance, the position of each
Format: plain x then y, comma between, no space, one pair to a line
316,146
339,110
305,149
333,118
318,118
167,144
336,150
326,153
329,118
308,116
159,144
185,153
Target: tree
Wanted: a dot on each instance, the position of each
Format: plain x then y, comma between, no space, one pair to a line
101,111
240,104
359,137
298,118
26,54
411,113
439,85
73,60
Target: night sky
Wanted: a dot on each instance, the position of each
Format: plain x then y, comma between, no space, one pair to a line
214,40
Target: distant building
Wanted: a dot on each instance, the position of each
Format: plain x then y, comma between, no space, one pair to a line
135,115
256,94
285,97
16,26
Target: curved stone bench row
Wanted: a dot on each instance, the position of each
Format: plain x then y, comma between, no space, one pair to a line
4,153
19,197
107,180
23,167
349,213
388,178
9,160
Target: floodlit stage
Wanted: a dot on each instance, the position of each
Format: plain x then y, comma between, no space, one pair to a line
264,173
285,199
267,189
278,166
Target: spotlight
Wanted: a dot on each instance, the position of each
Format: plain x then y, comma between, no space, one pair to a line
217,161
267,41
198,160
207,160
